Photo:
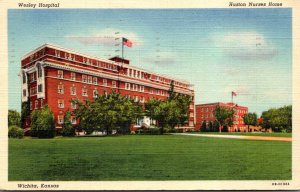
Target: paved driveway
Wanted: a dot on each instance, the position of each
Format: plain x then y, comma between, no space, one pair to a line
287,139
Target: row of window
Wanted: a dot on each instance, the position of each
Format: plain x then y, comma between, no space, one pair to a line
86,61
61,104
85,79
73,91
206,109
136,74
207,115
60,119
134,87
203,109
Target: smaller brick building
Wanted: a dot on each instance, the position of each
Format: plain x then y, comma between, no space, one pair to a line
205,112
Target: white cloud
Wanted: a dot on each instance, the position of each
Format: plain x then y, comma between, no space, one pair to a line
106,37
245,45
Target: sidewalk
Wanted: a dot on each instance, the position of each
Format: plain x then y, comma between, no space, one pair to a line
265,138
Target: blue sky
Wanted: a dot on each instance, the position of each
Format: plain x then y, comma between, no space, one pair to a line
248,51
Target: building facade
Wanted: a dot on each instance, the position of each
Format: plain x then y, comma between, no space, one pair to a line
206,112
54,76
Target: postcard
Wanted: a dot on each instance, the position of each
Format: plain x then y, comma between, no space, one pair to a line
156,95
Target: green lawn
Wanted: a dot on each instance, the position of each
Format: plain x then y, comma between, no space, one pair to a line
248,134
148,157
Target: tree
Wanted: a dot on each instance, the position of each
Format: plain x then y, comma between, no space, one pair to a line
203,126
14,118
279,119
168,113
250,119
67,127
85,113
42,123
224,117
108,112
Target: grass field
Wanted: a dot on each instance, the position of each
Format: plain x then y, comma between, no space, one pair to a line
248,134
148,157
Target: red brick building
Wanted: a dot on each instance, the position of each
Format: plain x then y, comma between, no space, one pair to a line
205,112
54,76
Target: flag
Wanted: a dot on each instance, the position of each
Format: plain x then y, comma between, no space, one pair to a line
233,93
127,42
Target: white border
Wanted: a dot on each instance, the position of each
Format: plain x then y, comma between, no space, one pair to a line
150,185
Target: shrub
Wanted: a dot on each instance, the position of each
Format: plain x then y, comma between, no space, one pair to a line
15,132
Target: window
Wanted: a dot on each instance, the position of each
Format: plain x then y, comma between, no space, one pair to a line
142,99
24,92
127,86
191,114
90,79
151,91
39,70
60,74
191,123
42,103
60,88
84,78
104,82
73,120
73,76
36,104
60,119
57,53
73,90
30,105
130,72
136,99
32,90
73,105
142,75
71,57
142,88
95,93
95,80
84,92
32,77
40,88
60,103
114,84
24,77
